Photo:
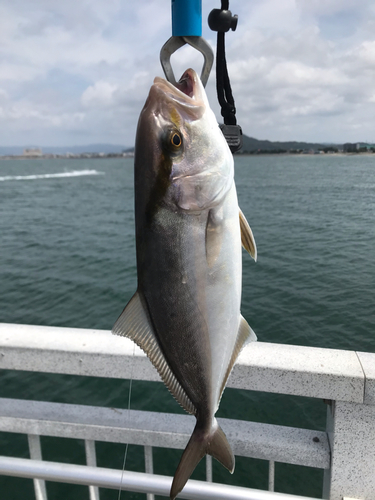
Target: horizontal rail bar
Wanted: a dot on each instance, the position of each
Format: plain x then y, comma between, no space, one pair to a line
165,430
284,369
131,481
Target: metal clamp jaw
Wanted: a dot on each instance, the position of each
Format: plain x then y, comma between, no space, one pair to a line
175,43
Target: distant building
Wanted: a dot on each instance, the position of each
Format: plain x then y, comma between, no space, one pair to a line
364,146
32,152
350,148
358,147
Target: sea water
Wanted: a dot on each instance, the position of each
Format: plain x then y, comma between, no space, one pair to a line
67,258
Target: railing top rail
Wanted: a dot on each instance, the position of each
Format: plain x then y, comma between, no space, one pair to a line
285,369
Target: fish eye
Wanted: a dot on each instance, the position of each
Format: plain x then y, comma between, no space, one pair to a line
176,139
172,142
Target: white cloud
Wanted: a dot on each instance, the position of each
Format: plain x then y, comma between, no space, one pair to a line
366,53
331,7
300,69
31,116
99,94
3,96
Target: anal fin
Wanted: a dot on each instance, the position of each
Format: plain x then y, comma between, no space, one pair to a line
135,323
245,335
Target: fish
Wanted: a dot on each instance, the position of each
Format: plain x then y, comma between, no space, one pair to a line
185,314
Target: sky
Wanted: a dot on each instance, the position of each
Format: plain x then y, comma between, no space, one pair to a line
78,72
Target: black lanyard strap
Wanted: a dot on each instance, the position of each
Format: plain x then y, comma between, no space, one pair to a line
221,20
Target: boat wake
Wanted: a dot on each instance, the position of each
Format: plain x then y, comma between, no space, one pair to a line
73,173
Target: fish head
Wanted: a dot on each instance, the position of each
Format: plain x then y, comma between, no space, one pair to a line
181,153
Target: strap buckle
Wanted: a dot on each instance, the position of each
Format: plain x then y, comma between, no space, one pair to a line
233,136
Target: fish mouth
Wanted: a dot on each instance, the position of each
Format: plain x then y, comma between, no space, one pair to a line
188,94
188,83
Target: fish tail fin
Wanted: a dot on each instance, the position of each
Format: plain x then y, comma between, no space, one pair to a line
220,449
202,442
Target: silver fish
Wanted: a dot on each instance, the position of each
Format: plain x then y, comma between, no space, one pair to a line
185,314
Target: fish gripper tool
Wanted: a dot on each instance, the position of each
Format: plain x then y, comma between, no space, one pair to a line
198,43
186,29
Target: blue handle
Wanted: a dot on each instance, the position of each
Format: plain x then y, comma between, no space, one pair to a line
186,17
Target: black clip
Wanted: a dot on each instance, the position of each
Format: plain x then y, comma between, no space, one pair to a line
233,136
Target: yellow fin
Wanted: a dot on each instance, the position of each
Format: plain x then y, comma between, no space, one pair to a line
247,237
135,323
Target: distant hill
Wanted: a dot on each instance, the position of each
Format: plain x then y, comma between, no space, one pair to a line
89,148
250,145
11,150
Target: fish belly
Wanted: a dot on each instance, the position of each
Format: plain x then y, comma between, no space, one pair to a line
190,276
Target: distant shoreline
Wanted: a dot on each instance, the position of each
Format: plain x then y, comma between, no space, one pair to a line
100,156
68,156
306,154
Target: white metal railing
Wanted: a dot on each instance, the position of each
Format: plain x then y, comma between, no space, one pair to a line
345,451
132,481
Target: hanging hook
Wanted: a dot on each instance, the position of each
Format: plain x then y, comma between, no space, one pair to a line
186,29
175,43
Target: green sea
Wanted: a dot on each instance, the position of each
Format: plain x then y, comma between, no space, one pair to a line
67,258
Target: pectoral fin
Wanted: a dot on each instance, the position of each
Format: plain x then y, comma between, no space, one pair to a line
135,323
214,236
247,237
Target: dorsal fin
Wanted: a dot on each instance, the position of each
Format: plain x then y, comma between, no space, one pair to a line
247,237
244,336
135,323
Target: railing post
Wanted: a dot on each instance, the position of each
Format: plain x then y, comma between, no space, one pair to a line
36,454
271,475
209,468
351,431
149,466
91,461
